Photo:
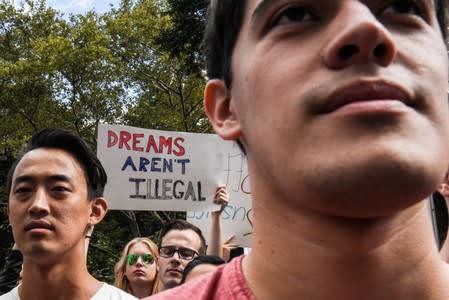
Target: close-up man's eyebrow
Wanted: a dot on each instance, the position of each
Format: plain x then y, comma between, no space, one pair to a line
28,178
261,9
21,179
59,178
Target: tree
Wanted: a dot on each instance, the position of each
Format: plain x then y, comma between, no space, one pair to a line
184,38
77,71
168,96
25,83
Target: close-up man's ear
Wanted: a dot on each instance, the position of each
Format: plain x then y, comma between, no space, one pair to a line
220,110
99,207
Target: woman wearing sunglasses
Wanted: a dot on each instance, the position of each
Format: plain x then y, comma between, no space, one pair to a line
136,272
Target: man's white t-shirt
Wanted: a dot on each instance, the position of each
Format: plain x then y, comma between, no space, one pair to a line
111,293
106,292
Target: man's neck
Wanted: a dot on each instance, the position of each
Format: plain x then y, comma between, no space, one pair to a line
68,279
164,287
314,257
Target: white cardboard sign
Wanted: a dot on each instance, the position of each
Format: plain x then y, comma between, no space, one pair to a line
176,171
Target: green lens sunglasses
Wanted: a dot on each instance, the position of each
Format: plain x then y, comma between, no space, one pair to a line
147,258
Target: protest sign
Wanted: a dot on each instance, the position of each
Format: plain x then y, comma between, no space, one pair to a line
160,170
237,216
176,171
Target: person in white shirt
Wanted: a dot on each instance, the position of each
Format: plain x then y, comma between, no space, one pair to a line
55,197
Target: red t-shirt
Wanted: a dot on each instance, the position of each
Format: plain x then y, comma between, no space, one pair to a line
225,283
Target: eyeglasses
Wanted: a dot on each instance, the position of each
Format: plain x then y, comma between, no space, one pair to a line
184,253
147,258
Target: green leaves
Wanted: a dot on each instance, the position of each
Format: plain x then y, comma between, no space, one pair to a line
138,64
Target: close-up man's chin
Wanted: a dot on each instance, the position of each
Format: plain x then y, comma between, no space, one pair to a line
371,192
363,207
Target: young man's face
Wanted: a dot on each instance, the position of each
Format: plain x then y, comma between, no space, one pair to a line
341,102
48,204
171,268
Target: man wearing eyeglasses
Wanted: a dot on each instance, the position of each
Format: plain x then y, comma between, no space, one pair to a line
179,242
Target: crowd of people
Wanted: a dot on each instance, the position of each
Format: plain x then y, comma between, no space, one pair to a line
341,109
55,172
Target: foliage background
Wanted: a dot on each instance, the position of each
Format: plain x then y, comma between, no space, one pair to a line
138,64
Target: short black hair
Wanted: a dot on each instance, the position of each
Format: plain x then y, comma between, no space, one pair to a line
201,260
178,224
224,22
69,141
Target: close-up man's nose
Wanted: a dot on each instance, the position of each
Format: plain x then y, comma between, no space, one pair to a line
175,259
359,38
176,256
39,202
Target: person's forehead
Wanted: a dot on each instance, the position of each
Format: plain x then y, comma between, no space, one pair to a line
139,247
185,238
48,162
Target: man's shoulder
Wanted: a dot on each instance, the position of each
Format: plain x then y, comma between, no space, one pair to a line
225,283
112,293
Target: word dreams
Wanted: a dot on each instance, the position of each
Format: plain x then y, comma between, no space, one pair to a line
146,143
166,189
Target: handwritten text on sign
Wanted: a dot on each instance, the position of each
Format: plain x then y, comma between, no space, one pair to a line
237,216
159,170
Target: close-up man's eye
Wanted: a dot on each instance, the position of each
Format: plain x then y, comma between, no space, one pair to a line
291,14
60,189
22,190
410,7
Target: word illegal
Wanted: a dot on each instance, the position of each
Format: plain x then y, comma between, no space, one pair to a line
166,189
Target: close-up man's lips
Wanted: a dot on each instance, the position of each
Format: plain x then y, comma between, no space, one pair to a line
365,91
38,224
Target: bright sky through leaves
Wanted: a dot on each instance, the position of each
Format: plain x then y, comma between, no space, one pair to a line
79,6
82,6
